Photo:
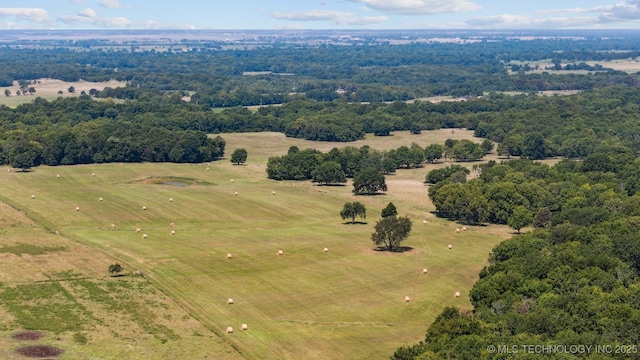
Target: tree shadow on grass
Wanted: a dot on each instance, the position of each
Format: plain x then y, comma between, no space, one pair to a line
397,249
354,223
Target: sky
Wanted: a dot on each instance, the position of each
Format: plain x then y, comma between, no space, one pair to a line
319,14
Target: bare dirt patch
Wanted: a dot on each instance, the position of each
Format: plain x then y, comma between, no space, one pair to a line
53,86
40,351
28,335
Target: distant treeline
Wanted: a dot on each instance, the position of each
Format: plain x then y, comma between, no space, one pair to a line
376,72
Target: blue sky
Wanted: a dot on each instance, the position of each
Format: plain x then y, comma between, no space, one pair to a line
319,14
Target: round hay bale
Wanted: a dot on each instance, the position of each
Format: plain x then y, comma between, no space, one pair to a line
456,294
207,169
99,199
137,230
58,176
144,208
8,170
457,230
325,249
407,299
33,196
112,226
273,193
77,208
170,199
449,246
464,228
280,252
424,221
244,327
235,193
230,301
229,330
228,256
93,174
172,225
173,232
231,180
424,270
144,236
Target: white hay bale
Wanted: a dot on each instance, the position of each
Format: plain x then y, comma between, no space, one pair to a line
144,208
228,256
144,236
58,176
457,230
93,174
229,301
235,193
424,270
407,299
280,252
99,199
464,228
325,249
231,180
33,196
8,170
424,221
173,232
77,208
137,230
207,169
229,330
112,226
172,225
456,294
273,193
449,246
170,199
244,327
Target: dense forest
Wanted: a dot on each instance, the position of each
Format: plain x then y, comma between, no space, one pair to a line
572,280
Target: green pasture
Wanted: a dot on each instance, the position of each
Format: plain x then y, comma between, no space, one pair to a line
347,303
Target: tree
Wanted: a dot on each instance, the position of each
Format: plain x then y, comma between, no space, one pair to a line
353,209
329,172
23,160
7,92
487,146
433,152
391,231
114,269
369,181
239,156
520,218
71,89
542,218
389,210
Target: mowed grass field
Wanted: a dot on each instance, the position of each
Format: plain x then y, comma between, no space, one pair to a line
346,303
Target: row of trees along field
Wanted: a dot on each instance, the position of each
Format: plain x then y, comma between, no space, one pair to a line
572,280
532,126
378,72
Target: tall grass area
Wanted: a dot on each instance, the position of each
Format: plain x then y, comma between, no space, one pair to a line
346,303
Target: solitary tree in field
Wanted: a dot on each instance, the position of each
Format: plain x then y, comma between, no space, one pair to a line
239,156
369,181
353,209
7,92
389,210
71,89
520,218
391,231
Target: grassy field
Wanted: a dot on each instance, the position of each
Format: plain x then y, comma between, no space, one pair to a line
346,303
48,89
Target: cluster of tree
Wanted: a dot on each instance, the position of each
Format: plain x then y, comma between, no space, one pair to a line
335,166
82,131
572,280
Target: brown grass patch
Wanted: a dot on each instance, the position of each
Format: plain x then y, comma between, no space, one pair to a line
40,351
28,335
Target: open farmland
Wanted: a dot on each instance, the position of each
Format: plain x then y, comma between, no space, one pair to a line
346,303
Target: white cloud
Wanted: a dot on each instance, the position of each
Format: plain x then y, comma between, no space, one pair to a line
88,12
77,1
30,14
419,7
337,17
528,22
111,4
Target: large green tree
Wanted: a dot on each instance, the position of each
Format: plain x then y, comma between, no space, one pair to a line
391,231
520,218
352,209
368,182
329,172
239,156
